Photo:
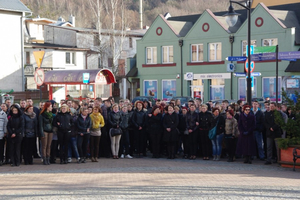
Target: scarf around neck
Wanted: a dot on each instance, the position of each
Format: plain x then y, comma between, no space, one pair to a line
31,115
96,120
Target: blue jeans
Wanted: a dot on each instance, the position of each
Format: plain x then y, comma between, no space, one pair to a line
73,145
260,144
217,144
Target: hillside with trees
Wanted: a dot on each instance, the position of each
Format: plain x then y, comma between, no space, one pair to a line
86,11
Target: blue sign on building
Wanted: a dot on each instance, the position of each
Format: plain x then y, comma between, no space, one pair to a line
86,78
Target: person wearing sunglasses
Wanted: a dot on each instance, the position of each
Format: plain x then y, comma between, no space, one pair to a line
246,142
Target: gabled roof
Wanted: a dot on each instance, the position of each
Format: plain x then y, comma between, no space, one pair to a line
181,28
13,5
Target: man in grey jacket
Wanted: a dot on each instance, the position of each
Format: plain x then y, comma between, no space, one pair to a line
3,131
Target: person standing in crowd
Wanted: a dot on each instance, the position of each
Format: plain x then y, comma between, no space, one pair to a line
130,129
192,123
125,144
72,147
273,130
3,130
183,132
30,134
171,133
138,121
23,105
46,132
76,106
35,109
63,121
97,123
205,121
246,141
4,108
54,143
218,121
115,120
15,127
155,130
259,127
231,126
83,124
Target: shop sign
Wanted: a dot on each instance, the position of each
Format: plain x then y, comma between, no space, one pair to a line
212,76
292,83
86,78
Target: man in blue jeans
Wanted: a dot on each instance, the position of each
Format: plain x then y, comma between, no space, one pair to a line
259,126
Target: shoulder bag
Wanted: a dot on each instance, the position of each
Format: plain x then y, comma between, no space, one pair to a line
115,131
213,132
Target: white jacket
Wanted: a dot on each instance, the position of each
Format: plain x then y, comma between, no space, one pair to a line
3,124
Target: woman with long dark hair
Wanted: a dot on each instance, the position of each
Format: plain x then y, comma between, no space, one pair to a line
15,129
29,134
46,132
115,120
218,121
138,122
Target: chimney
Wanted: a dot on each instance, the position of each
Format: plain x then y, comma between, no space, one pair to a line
141,14
72,20
60,19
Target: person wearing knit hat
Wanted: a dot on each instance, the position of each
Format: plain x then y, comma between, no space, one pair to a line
230,134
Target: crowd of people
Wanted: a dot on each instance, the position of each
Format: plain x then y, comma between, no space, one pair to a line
92,129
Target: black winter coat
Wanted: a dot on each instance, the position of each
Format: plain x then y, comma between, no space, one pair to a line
82,125
31,126
125,120
155,124
220,126
191,119
206,120
182,123
65,121
16,124
270,123
259,121
115,119
138,119
171,121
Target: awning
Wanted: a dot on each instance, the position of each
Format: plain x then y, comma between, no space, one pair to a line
133,72
104,76
294,66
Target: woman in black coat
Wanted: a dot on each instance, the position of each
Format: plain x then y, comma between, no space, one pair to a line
192,123
63,121
246,142
15,127
30,134
218,121
138,121
183,134
155,130
171,133
115,121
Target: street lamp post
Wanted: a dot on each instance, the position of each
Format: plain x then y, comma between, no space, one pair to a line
231,19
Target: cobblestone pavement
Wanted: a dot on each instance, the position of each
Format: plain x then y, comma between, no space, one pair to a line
147,178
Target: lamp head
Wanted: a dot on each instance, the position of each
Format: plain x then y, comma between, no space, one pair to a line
231,16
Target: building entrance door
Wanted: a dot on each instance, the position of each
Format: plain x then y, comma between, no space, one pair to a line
197,91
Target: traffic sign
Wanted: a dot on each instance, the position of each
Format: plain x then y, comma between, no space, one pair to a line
236,58
39,77
242,74
39,55
189,76
252,66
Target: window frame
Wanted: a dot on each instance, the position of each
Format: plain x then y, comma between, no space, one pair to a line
255,45
197,53
72,58
168,54
152,60
270,39
216,56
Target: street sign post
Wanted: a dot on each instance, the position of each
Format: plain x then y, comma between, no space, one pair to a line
236,58
39,77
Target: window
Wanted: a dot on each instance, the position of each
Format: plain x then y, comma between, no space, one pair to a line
197,52
215,51
96,40
130,42
151,55
244,46
167,52
270,42
27,58
70,58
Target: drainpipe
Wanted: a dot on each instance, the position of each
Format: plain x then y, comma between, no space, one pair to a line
180,42
231,40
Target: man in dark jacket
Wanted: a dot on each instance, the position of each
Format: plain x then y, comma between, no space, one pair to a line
259,127
192,123
273,131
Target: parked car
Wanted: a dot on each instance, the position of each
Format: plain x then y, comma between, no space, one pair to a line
143,98
220,101
183,99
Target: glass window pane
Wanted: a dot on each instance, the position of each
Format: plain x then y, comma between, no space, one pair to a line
219,51
170,54
200,52
68,59
148,55
194,53
73,58
154,55
165,54
212,52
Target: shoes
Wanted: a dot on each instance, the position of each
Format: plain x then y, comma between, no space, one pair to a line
218,158
48,160
215,158
185,156
1,163
122,156
96,159
268,163
78,160
65,162
44,161
61,161
83,160
69,160
93,159
127,156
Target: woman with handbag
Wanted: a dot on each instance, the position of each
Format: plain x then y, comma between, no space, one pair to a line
29,135
115,120
155,130
219,126
246,142
46,132
205,119
171,133
97,124
15,128
192,123
83,125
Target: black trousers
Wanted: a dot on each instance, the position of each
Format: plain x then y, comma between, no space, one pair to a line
205,143
63,141
131,141
171,149
53,152
82,145
104,146
29,144
140,141
155,143
193,142
124,143
230,146
7,150
15,149
94,146
2,149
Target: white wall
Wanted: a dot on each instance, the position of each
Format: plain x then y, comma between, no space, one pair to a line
10,51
